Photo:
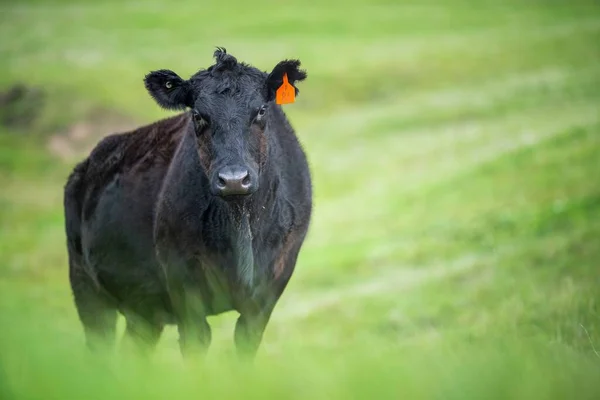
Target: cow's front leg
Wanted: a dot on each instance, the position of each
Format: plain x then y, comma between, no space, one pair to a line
194,331
188,307
249,330
255,315
250,326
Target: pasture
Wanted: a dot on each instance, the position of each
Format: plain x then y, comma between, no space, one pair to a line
455,150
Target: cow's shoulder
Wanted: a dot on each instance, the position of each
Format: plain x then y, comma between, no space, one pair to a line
123,151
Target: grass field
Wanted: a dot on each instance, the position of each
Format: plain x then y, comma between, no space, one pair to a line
455,150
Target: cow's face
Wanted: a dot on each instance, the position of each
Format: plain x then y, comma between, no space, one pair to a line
230,104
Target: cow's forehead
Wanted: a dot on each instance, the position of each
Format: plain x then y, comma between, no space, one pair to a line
228,84
229,89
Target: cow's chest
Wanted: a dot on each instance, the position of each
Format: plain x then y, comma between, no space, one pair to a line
215,285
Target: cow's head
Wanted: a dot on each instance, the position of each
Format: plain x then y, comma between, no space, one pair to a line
230,104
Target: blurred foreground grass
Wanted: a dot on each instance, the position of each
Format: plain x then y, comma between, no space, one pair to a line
455,249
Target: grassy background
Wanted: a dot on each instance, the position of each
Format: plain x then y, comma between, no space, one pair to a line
455,148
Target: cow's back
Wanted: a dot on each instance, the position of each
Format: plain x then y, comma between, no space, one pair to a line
109,206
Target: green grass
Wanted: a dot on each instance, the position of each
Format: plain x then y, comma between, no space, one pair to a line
455,149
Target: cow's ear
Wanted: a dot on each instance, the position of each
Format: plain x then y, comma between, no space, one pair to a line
169,90
275,78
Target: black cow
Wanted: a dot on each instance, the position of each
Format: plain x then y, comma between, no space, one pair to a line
195,215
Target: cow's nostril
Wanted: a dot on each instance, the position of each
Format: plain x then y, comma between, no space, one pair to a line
222,183
246,180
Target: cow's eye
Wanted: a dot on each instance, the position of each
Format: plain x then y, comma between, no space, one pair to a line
261,112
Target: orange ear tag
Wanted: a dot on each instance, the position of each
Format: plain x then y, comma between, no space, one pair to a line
286,93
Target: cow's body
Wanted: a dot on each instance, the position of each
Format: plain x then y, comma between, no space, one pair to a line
147,237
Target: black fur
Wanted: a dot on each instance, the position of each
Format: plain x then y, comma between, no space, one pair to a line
148,237
223,60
